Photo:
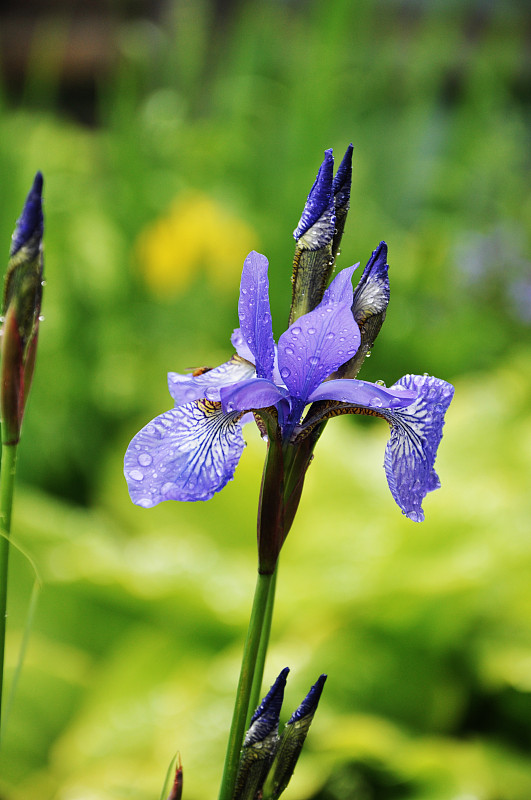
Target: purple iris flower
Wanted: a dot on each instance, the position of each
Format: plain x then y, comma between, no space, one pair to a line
191,451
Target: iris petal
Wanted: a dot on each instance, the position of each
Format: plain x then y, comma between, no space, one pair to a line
316,345
255,314
253,394
363,393
187,453
415,435
199,385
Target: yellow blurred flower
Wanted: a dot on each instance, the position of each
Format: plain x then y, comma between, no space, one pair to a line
196,234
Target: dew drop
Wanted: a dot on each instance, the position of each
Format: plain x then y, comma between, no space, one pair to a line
285,372
311,331
380,383
330,335
296,330
314,361
289,351
136,475
166,487
144,459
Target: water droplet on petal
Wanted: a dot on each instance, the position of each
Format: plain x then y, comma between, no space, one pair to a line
296,330
289,351
311,331
144,459
136,475
330,335
313,361
166,487
285,372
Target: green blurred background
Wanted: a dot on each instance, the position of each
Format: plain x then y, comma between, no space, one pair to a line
174,137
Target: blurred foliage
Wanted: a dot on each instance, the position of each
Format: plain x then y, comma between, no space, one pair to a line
211,134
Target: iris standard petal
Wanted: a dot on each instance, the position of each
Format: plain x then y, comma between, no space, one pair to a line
206,384
317,223
188,453
415,435
241,346
253,394
363,393
340,289
255,314
316,345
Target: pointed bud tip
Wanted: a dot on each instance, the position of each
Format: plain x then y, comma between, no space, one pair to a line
30,223
321,197
310,702
272,702
343,179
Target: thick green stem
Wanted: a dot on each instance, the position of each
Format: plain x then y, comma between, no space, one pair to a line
7,482
262,650
243,693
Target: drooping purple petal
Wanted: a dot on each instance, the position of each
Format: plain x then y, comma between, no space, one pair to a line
340,289
415,435
316,345
30,224
363,393
206,385
187,453
252,394
343,179
317,223
255,314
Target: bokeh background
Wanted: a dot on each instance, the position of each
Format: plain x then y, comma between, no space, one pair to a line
174,137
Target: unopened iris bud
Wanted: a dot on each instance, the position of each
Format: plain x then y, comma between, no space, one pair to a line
260,742
369,306
319,233
291,742
313,259
341,189
21,310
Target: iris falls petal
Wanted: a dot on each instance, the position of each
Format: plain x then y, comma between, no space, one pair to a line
255,315
207,383
415,435
187,453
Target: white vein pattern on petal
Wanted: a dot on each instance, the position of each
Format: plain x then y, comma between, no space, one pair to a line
187,453
415,435
207,385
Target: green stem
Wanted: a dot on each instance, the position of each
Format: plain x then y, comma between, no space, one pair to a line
7,482
262,650
243,693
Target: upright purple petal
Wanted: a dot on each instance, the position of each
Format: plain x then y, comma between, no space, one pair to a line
188,453
317,223
265,719
340,289
207,384
316,345
415,435
241,346
255,314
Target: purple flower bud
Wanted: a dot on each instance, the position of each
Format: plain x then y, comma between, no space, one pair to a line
21,310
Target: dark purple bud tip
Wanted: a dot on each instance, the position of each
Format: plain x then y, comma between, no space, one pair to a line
310,702
321,196
343,180
265,718
30,223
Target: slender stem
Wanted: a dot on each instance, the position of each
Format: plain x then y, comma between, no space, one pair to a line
243,693
7,482
262,650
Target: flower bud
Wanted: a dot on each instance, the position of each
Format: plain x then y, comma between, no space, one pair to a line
260,742
21,310
291,742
